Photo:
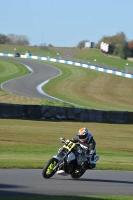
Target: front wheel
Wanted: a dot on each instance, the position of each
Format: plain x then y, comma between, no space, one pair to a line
48,171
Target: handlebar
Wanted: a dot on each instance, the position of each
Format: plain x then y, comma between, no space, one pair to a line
63,140
79,148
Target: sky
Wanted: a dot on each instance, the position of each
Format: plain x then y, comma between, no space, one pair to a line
64,23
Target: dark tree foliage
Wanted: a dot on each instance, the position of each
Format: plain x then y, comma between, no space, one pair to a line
123,50
3,39
12,39
130,46
118,45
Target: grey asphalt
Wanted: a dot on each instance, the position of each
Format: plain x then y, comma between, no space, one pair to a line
26,85
94,182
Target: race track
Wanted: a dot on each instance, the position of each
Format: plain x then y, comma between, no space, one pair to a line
30,181
94,182
27,85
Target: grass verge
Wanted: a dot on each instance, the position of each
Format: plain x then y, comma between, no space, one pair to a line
91,89
30,144
37,197
33,50
89,55
10,70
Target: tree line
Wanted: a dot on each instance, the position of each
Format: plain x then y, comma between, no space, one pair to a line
118,45
12,39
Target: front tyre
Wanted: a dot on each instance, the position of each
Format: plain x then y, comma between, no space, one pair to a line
48,171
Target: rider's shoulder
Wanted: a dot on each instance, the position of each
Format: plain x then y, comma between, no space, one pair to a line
90,135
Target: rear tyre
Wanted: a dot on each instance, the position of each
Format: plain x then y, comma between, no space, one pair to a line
77,173
48,171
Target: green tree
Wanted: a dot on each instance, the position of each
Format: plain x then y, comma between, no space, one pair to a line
3,39
130,46
118,45
124,50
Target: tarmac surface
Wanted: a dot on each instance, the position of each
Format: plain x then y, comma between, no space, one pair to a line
14,182
27,85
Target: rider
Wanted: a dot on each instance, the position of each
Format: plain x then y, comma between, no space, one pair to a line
87,142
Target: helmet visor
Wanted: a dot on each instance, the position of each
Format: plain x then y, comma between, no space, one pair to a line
82,136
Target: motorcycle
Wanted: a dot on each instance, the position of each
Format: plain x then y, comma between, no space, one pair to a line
70,160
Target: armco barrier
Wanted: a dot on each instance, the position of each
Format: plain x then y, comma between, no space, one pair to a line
130,118
115,117
37,112
100,69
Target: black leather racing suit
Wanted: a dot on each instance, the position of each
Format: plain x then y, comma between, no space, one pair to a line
89,145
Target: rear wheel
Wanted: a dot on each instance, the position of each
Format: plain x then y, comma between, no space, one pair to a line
48,171
77,173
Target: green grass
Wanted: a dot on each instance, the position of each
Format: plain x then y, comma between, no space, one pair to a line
91,89
30,144
35,51
84,55
100,197
10,70
81,86
87,88
25,142
90,55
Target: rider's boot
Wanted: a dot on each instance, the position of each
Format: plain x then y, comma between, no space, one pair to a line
91,163
93,160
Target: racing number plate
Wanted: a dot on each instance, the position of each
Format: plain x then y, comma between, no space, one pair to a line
69,145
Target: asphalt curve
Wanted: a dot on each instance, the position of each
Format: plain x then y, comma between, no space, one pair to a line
27,85
94,182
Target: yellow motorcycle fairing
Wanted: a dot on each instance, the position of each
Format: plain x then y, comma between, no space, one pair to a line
69,145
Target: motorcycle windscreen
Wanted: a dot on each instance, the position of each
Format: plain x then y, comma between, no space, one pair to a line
70,157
